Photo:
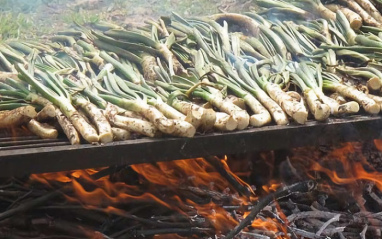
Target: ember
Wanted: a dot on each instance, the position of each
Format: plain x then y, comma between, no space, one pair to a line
316,193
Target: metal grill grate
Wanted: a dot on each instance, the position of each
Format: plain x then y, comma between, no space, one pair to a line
28,154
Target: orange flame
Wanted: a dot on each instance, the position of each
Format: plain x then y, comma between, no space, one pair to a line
378,144
105,195
353,171
272,186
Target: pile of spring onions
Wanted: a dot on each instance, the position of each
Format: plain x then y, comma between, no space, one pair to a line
284,62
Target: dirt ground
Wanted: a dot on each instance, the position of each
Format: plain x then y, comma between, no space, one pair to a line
30,19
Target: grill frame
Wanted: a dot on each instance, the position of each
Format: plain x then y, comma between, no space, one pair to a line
58,155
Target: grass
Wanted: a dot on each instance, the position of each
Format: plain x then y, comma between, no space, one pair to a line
12,25
27,18
81,17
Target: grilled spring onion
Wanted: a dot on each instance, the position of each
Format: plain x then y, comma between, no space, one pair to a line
238,19
147,62
370,8
319,110
120,134
42,130
48,112
17,116
210,118
97,118
276,41
347,31
68,128
207,116
305,80
291,106
215,98
244,80
282,6
354,19
148,111
190,113
126,70
133,124
127,90
198,116
337,108
225,122
367,18
373,76
261,116
18,90
332,83
86,130
163,49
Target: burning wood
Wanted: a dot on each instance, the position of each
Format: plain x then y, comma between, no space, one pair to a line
338,194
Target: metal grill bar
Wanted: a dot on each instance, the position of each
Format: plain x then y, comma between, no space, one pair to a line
5,145
38,156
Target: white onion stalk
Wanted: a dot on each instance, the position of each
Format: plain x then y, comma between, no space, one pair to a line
48,112
236,101
319,110
313,78
134,125
120,134
16,117
97,118
351,92
42,130
68,128
260,117
220,66
194,113
24,93
241,116
162,123
225,122
264,106
293,108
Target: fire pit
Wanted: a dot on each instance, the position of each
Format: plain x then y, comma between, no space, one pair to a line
332,192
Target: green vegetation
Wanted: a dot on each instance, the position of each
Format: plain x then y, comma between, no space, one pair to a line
29,19
12,24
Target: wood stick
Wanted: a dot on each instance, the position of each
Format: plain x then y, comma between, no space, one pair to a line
36,202
230,178
280,193
336,218
188,231
29,205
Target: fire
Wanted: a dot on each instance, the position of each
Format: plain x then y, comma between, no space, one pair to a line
220,219
272,186
357,173
64,177
351,171
194,191
180,175
378,144
193,172
115,195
